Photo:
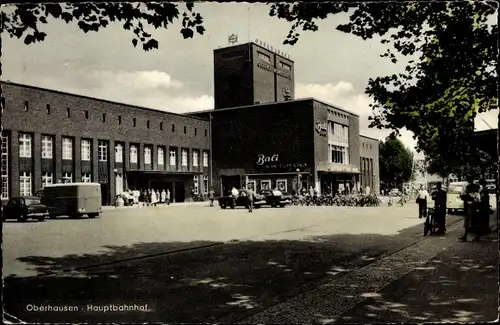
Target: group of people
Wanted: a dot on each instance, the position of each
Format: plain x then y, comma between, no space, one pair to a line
477,207
149,197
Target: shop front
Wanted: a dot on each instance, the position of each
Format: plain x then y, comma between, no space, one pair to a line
180,184
338,178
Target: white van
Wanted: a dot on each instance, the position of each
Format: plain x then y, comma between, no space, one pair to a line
453,201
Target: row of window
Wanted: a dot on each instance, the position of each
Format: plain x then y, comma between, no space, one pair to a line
338,132
333,112
338,154
367,145
204,185
25,149
103,119
267,59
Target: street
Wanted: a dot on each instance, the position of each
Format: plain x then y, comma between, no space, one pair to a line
193,263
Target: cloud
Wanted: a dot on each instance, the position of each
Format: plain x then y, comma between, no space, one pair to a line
137,80
344,95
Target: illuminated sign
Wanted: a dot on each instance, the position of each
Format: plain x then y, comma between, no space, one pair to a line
273,69
262,159
321,128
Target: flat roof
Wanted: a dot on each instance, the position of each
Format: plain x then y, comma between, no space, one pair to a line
8,82
365,136
274,104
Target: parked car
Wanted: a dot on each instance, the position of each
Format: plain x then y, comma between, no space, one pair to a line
395,192
241,200
72,199
25,207
276,198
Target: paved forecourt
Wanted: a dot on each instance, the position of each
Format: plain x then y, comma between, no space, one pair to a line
136,232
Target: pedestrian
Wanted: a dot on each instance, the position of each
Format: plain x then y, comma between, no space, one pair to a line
234,194
168,197
471,198
422,202
439,197
158,197
485,209
251,197
367,190
163,196
211,196
136,194
153,197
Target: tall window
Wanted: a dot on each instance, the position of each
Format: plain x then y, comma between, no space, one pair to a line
47,147
205,184
103,151
161,156
184,158
339,154
196,184
119,153
147,155
25,145
47,179
195,158
5,167
86,178
205,159
67,178
86,150
25,184
67,148
133,154
173,157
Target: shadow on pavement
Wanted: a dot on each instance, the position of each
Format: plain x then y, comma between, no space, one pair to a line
459,286
222,283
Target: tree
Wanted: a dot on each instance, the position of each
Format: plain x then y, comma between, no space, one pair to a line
441,92
395,161
437,97
25,20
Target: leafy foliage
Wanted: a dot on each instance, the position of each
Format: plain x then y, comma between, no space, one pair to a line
451,79
25,20
395,161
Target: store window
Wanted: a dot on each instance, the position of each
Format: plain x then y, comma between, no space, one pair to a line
47,146
205,159
195,158
86,178
147,155
25,145
47,179
173,157
25,184
103,151
119,153
86,149
161,156
184,158
265,184
67,178
133,154
67,149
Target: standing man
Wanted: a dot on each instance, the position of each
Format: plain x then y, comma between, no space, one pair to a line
439,197
250,198
422,202
211,196
485,209
471,199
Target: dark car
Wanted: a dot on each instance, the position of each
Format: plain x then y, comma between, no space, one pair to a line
24,208
241,200
276,198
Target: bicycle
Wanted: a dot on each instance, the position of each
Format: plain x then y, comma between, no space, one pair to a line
430,222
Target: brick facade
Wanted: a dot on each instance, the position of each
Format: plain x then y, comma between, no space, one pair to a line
80,117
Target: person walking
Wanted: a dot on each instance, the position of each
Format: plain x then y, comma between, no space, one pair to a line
163,196
439,197
251,197
234,194
484,209
211,197
422,202
471,199
169,199
153,197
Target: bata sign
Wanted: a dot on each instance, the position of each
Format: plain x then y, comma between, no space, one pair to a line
321,128
273,69
263,159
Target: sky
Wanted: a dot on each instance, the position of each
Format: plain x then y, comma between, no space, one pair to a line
329,65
